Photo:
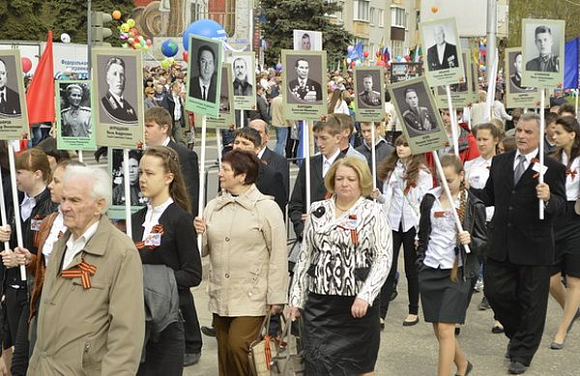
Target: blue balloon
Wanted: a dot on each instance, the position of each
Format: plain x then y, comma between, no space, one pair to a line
204,28
169,48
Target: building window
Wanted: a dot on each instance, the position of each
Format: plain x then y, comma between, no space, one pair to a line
338,13
361,10
372,16
398,17
381,17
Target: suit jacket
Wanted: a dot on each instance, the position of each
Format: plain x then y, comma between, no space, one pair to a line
299,92
190,172
551,64
317,191
121,111
515,232
11,105
450,58
271,183
421,121
169,104
195,89
278,163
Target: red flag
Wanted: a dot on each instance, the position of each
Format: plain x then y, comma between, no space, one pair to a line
40,95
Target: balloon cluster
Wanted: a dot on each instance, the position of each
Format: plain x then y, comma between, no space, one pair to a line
130,37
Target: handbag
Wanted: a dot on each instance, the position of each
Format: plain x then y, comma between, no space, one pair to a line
261,350
288,361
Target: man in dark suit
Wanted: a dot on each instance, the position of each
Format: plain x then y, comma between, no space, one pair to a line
303,89
242,85
520,249
113,102
545,62
442,55
417,117
174,105
204,86
276,161
9,103
327,136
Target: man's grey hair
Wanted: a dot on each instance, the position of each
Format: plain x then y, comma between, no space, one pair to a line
97,176
531,116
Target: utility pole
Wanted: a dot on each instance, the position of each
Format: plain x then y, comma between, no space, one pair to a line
491,38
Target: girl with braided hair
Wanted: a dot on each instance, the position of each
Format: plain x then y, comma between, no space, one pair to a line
445,268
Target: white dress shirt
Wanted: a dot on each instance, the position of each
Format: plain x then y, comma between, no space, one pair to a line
327,162
57,228
477,173
528,159
74,247
28,203
119,99
177,109
441,52
572,178
153,215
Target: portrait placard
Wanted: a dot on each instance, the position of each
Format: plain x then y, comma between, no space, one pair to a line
370,97
13,112
115,166
405,71
307,40
302,76
518,95
204,77
118,99
74,115
243,80
543,53
422,124
462,93
226,115
443,63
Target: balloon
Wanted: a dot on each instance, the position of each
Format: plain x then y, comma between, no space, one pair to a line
366,54
165,63
350,49
352,64
204,28
185,55
131,40
146,47
125,45
125,28
169,48
65,38
131,22
137,46
116,15
26,64
434,9
279,67
149,42
142,42
380,63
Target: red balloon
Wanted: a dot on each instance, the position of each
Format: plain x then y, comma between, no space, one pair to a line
185,56
380,63
352,63
26,64
366,54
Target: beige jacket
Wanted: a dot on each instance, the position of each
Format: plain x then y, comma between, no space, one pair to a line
246,242
94,331
277,112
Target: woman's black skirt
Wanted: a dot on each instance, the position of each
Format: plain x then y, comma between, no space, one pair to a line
336,343
442,299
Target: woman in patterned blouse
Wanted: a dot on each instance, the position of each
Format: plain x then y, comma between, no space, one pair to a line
345,258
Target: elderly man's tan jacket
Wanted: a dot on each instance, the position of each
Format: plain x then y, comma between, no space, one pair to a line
97,330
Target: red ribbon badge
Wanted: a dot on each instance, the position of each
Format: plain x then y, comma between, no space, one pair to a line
157,229
572,173
84,271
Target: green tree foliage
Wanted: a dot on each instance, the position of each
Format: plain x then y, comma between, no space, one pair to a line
283,16
20,19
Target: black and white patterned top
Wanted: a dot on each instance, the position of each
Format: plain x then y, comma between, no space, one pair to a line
348,256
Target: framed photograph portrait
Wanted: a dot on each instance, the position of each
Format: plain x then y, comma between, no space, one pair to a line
370,96
405,71
422,124
118,98
74,115
226,114
13,112
117,208
204,75
517,94
461,93
307,40
243,80
443,62
543,53
303,80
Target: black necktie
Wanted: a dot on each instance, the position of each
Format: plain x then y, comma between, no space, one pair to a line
2,99
204,97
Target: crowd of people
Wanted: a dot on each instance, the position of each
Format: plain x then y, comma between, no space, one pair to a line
98,302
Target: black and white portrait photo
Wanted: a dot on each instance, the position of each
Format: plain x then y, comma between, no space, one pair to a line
9,98
304,78
542,53
116,102
548,54
307,40
515,69
443,53
417,114
368,89
443,63
75,114
203,82
225,106
117,178
243,75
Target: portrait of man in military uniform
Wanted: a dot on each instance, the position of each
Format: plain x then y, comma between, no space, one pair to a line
113,102
303,88
9,101
417,117
75,119
516,78
137,198
546,61
369,97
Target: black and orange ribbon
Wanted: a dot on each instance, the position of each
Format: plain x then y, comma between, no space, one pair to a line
353,232
572,173
84,271
408,188
157,229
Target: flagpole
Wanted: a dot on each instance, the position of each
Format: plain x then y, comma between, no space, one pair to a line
373,155
80,155
306,153
542,126
201,200
16,205
127,183
454,133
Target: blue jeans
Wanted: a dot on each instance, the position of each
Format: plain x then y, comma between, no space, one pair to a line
281,136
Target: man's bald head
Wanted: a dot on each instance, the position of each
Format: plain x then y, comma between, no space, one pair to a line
263,128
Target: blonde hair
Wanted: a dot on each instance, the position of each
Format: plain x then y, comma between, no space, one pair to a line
361,168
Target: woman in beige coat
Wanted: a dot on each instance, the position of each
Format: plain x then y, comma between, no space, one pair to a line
244,236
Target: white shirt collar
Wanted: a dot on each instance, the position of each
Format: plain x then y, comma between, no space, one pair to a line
73,247
117,98
166,142
528,156
261,152
332,157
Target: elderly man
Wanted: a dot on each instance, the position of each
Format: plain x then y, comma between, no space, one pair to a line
91,317
303,88
113,102
9,104
442,55
204,85
242,86
545,62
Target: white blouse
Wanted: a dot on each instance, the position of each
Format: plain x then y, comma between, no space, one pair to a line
572,178
477,173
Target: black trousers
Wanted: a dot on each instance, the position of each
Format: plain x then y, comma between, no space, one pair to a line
407,239
518,295
164,354
193,340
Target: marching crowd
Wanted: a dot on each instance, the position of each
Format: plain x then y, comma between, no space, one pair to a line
98,302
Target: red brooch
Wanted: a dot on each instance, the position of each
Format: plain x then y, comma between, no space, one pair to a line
157,229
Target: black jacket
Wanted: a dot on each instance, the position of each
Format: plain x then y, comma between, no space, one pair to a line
278,163
474,223
169,104
271,183
190,172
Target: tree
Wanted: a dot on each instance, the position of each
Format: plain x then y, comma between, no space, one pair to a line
283,16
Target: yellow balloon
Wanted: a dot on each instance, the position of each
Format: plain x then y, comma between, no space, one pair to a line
131,22
125,28
434,9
